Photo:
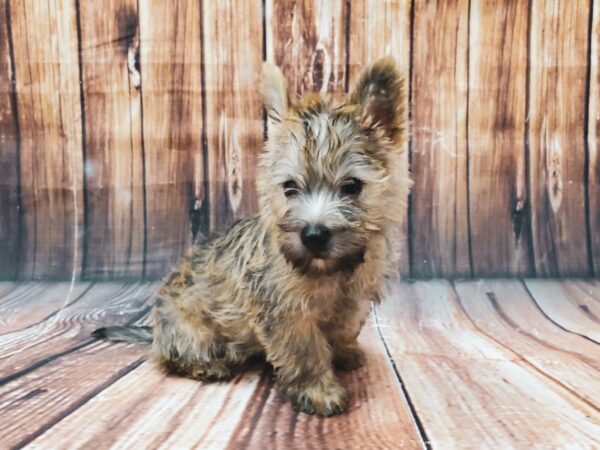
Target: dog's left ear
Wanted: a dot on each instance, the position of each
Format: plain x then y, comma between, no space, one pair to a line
381,95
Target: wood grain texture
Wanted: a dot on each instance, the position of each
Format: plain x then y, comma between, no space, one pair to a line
458,378
44,38
10,218
439,211
593,140
146,409
6,288
51,368
484,367
585,294
378,29
33,402
170,67
232,48
378,415
113,140
31,303
307,39
498,203
557,106
504,311
504,108
562,305
71,325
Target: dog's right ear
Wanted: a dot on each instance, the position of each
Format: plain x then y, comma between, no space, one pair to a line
274,91
381,96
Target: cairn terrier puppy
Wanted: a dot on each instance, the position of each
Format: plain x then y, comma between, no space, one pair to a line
295,282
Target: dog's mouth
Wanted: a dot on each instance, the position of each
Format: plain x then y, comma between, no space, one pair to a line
323,263
343,253
320,255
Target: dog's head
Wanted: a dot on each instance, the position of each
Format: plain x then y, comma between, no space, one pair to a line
326,176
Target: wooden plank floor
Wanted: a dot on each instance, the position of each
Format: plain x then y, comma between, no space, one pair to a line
473,364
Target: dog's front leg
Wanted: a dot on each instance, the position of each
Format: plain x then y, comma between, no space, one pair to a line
302,357
343,331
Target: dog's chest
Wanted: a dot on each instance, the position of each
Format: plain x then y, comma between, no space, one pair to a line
331,301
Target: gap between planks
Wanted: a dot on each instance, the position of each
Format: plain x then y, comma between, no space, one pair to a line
479,329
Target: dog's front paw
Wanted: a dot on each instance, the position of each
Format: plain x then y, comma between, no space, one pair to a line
349,358
326,401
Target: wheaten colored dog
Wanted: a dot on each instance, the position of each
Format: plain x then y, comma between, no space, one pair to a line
295,282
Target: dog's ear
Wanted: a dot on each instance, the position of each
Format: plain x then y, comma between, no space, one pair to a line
274,91
381,96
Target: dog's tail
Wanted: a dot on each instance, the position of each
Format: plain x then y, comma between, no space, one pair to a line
130,334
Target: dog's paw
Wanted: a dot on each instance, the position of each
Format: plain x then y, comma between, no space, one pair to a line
212,371
349,358
324,401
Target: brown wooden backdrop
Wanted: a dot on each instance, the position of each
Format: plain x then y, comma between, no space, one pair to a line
127,125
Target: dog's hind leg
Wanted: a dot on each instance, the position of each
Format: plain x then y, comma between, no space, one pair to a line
186,341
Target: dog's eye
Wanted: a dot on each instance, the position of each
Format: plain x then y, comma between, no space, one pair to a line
290,188
353,186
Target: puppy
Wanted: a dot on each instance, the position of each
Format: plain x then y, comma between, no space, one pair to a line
295,282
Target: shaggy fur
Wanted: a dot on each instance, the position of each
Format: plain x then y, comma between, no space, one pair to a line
257,288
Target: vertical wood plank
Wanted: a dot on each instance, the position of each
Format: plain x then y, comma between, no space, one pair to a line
593,138
498,203
557,86
378,29
9,159
306,39
439,213
232,46
170,69
44,36
113,144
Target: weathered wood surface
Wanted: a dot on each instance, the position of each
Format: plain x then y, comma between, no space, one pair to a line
593,141
245,413
21,307
439,213
307,39
585,295
128,126
382,29
6,287
557,111
51,368
46,70
563,306
504,311
10,227
114,157
378,414
470,392
171,74
147,409
497,175
482,366
232,49
35,401
70,324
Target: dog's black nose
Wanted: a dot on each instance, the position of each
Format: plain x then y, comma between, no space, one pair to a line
315,237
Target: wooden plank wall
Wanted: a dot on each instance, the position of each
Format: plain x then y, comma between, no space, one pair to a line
126,126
